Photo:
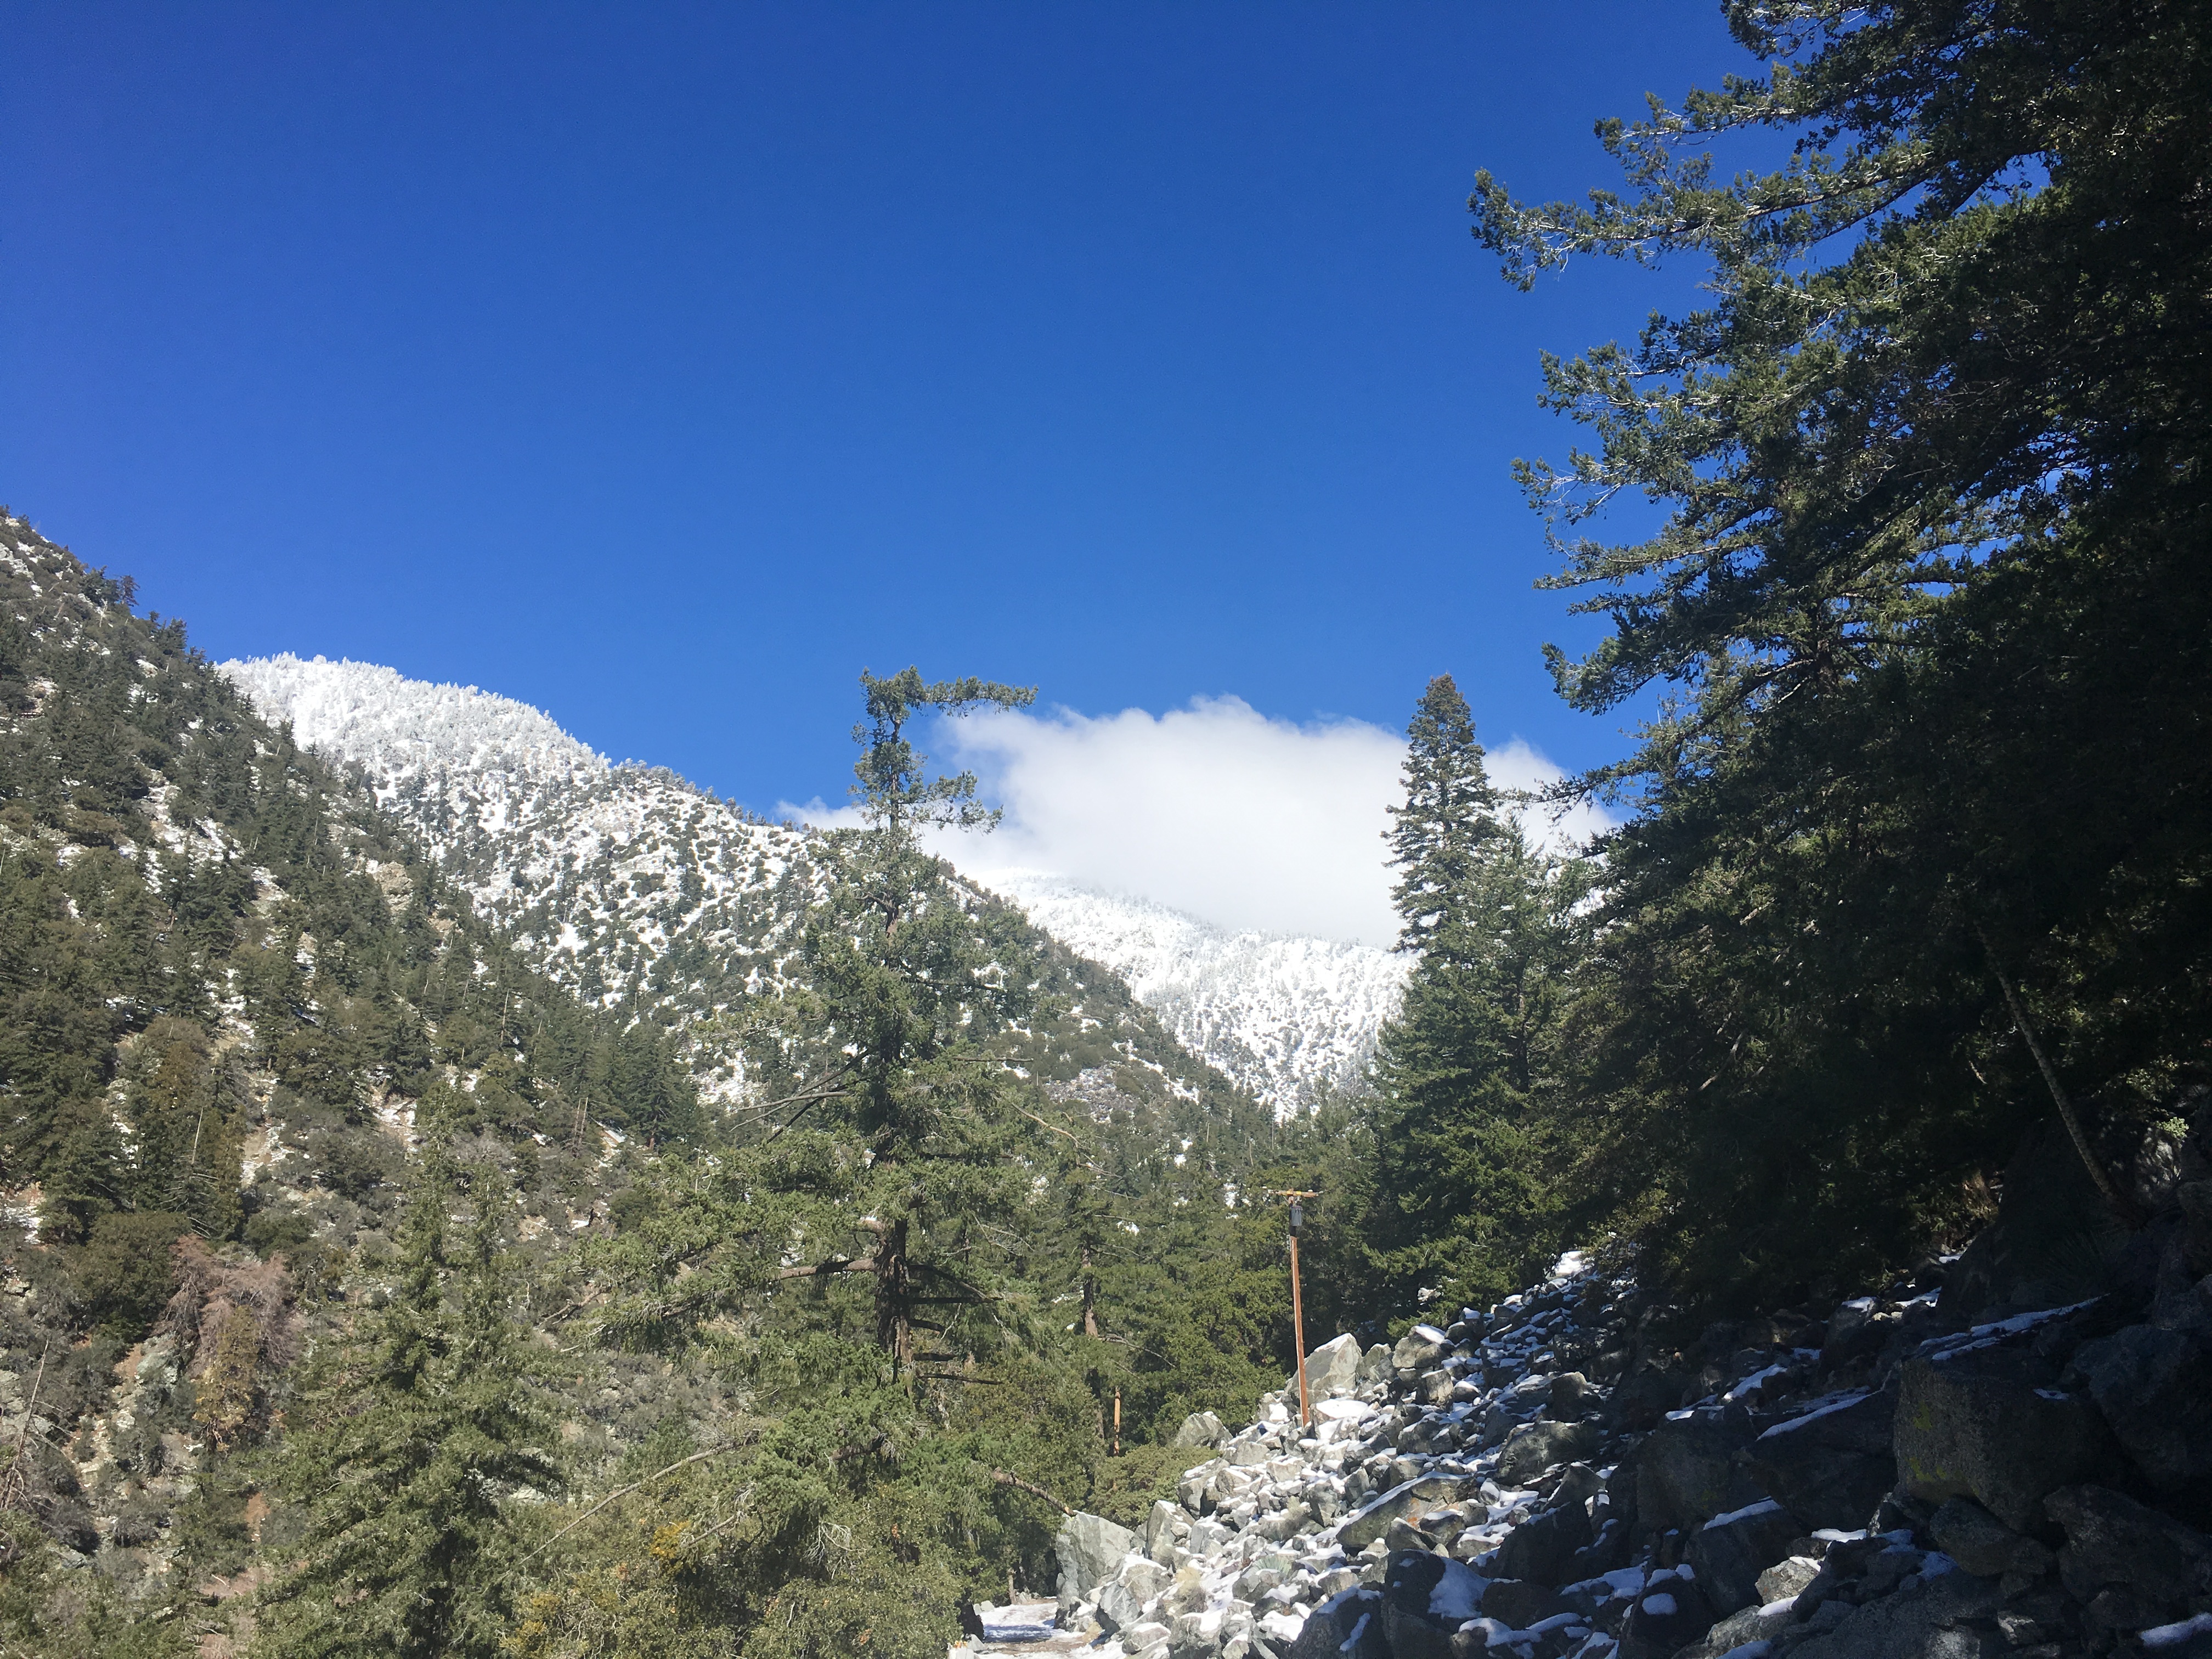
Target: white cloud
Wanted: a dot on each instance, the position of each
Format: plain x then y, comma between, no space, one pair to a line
1215,810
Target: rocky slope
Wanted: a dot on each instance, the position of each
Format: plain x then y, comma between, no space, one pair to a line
1935,1471
629,883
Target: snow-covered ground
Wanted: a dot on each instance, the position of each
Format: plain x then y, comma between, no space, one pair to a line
627,881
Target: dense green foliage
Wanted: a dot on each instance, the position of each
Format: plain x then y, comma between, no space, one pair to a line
350,1308
1923,636
1471,1083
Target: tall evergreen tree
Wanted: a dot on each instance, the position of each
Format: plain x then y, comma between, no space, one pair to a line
1928,611
1449,814
1467,1074
414,1448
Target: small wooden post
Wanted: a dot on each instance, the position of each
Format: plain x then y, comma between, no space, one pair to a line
1117,1422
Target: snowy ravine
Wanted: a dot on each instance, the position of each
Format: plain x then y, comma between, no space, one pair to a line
627,880
1288,1018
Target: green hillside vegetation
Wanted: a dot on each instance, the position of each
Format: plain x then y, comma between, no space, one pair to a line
362,1285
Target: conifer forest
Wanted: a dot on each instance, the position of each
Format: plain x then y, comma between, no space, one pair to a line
1783,1224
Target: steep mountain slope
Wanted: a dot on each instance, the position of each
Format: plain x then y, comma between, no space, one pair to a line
628,883
233,998
295,1140
1288,1018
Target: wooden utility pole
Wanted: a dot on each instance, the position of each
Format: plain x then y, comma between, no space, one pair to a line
1298,1304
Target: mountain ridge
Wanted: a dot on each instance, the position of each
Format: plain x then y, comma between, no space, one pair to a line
636,883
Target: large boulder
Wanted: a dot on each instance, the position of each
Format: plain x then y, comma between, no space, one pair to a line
1122,1599
2155,1389
1346,1627
1831,1467
1941,1618
1981,1544
1688,1470
1090,1549
1518,1604
1402,1502
1201,1428
1535,1447
1419,1348
1988,1425
1730,1551
1331,1368
2133,1567
1670,1613
1542,1549
1426,1598
2052,1242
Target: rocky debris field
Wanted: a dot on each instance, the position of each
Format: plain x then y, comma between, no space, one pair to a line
1894,1476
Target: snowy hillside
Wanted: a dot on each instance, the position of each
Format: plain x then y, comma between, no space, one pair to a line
629,883
1287,1018
625,881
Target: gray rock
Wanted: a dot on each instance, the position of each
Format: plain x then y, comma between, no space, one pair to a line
1570,1395
1730,1551
1981,1544
1426,1598
1331,1368
2155,1389
1201,1428
1418,1349
1929,1621
1159,1528
2120,1549
1349,1625
1414,1497
1687,1471
1831,1467
1090,1548
1519,1603
1669,1615
1987,1425
1119,1608
1433,1388
1188,1638
1192,1490
1535,1447
1787,1579
1755,1624
1375,1363
1542,1549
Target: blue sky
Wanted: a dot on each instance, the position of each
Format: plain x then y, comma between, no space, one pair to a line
664,365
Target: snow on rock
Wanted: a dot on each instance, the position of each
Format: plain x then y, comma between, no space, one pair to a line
1391,1530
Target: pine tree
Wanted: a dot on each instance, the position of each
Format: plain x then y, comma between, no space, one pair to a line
1467,1073
414,1448
1450,812
1922,630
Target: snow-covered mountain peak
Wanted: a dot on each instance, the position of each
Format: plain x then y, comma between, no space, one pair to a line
631,883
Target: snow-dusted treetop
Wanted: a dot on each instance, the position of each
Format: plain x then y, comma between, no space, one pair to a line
364,711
